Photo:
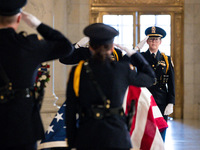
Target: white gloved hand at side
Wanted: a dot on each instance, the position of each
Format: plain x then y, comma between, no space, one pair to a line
82,42
128,51
168,109
31,20
141,44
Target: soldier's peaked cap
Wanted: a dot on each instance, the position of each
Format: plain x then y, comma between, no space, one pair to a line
155,32
100,33
11,7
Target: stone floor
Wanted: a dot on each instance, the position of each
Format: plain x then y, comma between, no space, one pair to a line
183,135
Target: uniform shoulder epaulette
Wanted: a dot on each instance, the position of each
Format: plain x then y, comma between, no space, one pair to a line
166,60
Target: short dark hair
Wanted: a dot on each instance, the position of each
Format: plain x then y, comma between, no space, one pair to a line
5,20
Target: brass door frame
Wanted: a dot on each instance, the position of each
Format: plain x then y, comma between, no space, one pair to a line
98,8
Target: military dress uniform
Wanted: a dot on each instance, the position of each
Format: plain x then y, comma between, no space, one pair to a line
102,129
20,57
163,90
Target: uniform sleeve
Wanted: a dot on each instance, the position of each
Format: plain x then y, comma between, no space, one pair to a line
71,104
54,45
171,83
79,54
145,76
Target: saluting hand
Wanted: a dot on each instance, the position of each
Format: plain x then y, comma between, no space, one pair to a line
128,51
31,20
82,42
141,44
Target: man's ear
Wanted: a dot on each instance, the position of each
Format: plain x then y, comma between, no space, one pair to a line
19,18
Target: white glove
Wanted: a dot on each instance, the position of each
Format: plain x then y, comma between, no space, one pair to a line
31,20
82,42
168,109
128,51
141,44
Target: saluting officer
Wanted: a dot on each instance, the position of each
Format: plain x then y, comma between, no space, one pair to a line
20,57
163,90
95,91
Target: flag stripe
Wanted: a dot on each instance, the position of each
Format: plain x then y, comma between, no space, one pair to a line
53,144
141,117
147,120
149,132
157,142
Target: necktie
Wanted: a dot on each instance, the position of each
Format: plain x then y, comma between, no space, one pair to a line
153,55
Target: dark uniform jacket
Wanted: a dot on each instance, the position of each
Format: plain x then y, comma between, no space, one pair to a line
20,57
113,78
164,90
83,53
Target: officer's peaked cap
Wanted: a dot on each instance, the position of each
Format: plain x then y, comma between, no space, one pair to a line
100,33
11,7
155,32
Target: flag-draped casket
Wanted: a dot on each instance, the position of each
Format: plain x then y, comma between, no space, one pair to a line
145,124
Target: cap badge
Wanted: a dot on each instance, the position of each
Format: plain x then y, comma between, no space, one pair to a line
153,30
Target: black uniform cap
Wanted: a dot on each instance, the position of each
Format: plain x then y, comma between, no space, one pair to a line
11,7
155,32
100,33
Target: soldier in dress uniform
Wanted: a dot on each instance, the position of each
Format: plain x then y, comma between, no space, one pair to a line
163,90
95,91
20,57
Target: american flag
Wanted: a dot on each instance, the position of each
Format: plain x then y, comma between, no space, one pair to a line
147,120
144,131
55,135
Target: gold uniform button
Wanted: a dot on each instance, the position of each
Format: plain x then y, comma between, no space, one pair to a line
152,65
108,106
97,114
1,97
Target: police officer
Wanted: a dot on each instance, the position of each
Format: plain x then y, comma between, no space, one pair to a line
99,85
20,57
163,90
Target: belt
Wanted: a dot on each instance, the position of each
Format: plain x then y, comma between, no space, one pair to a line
23,93
9,94
100,112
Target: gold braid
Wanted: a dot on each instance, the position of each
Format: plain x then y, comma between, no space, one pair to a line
166,60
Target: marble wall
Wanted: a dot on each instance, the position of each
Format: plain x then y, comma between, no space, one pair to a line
191,59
